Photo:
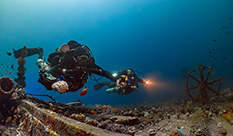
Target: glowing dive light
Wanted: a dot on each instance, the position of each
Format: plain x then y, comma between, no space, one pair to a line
147,83
114,74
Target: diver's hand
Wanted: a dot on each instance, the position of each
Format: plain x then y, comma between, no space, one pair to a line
61,86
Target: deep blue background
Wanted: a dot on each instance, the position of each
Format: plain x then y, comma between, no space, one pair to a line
160,38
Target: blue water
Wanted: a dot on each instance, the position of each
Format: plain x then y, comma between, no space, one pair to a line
160,38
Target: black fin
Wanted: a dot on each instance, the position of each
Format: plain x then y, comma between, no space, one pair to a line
99,86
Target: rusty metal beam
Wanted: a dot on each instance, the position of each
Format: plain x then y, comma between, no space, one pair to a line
40,121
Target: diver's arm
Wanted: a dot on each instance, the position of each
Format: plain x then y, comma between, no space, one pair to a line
60,85
47,77
52,83
101,72
47,80
105,73
141,80
94,69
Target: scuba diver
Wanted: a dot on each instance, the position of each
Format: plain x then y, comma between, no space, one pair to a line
126,82
68,68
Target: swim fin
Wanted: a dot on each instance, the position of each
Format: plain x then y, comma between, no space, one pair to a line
99,86
30,52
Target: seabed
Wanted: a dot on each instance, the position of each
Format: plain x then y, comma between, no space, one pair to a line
30,116
23,115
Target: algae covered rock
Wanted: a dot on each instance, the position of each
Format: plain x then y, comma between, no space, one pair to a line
126,120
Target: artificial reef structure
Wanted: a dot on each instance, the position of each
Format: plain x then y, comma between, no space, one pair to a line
23,115
30,118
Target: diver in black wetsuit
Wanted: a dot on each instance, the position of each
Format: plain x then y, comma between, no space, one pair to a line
127,82
70,65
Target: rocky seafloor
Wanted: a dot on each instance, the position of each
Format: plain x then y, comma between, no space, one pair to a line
174,118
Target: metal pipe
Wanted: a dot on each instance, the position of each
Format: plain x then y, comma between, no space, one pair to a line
6,89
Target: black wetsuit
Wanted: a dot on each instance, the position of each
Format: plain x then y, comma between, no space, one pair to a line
74,67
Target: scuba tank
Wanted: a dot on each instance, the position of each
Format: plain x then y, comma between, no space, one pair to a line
113,90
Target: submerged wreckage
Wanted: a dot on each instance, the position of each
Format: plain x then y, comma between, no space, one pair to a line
23,115
202,83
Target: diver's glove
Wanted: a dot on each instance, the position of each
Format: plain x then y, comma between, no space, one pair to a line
145,82
61,86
